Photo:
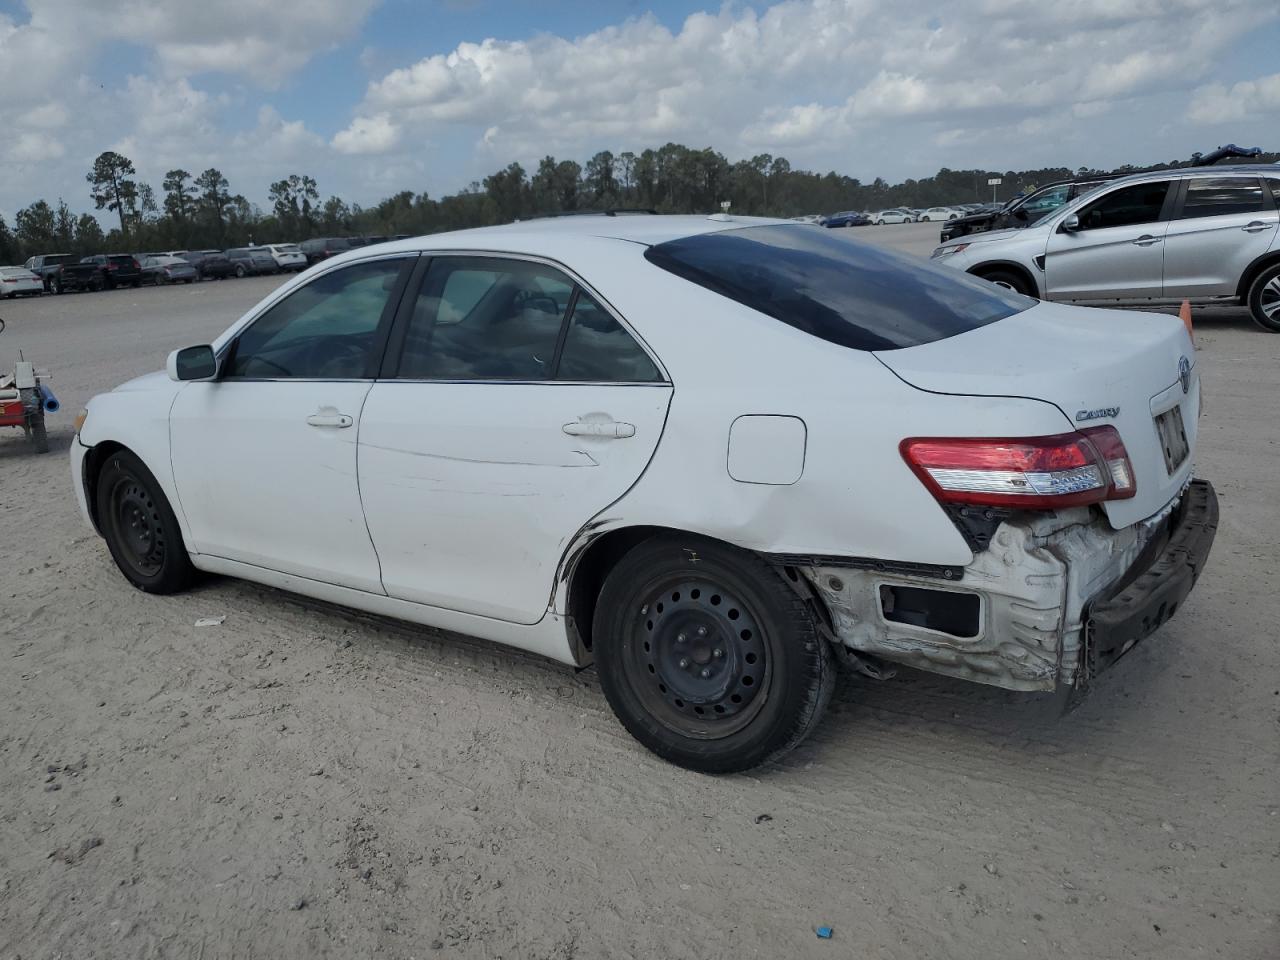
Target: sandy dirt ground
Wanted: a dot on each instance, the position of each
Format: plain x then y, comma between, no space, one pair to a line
301,781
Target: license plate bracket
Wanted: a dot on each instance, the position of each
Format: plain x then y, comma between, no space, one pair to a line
1173,438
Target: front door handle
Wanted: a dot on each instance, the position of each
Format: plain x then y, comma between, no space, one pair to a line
600,429
1257,226
1146,240
339,420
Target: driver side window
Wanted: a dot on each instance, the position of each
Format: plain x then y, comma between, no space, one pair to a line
1127,207
324,330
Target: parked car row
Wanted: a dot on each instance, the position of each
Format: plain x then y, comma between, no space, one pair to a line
67,273
857,218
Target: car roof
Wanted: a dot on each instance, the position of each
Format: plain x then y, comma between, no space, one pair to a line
549,235
1252,169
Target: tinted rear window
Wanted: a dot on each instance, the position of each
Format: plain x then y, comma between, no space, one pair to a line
843,291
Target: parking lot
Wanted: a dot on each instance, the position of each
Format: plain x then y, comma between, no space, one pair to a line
303,781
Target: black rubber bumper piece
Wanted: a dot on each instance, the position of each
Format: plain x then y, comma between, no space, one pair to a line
1153,589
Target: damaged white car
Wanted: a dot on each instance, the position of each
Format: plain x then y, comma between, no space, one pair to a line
710,455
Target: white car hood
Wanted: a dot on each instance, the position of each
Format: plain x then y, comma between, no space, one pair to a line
159,380
1086,362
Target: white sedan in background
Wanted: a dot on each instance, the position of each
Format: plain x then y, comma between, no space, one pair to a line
710,454
892,216
940,213
288,256
19,282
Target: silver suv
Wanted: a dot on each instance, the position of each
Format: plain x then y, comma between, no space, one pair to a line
1209,235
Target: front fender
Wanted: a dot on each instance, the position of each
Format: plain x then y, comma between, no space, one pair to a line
135,417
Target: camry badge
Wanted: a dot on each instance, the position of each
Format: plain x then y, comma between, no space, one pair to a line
1099,414
1184,373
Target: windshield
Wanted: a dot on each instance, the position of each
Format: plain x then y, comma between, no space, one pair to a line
843,291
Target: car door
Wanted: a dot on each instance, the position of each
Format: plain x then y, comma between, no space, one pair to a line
1221,226
515,407
1117,251
264,457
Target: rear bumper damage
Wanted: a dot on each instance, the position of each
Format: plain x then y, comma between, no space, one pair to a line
1055,598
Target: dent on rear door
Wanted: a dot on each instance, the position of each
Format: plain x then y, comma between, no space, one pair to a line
473,491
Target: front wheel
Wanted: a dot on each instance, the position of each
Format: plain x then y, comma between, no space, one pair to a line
708,656
1010,281
240,272
140,528
1264,299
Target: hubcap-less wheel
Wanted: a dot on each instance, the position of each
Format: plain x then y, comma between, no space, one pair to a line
700,654
136,518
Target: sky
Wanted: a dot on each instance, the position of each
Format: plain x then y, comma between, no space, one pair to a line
371,97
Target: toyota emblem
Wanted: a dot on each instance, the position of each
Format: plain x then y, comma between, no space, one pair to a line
1184,373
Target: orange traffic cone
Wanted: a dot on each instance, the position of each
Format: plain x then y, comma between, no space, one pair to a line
1184,314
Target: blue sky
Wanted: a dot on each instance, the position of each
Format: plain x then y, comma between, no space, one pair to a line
374,96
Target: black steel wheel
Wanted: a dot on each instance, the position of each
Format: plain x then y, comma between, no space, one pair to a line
140,528
707,656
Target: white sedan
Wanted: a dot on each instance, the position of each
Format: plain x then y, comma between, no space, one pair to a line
19,282
711,455
892,216
288,256
940,213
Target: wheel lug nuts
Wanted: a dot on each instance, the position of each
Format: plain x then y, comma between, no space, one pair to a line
705,673
702,631
717,653
684,663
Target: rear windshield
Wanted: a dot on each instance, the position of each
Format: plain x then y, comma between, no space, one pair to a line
288,248
121,258
844,291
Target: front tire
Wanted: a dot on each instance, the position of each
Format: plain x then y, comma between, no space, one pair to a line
140,528
708,656
1010,281
240,273
1264,299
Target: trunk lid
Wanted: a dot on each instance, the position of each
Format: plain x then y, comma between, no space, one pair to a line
1096,366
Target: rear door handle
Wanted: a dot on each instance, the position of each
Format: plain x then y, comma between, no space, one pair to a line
339,420
1146,240
1257,226
601,429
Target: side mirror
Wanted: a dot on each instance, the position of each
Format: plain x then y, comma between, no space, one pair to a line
192,363
1071,224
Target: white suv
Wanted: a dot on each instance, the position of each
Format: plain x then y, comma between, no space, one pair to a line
1209,235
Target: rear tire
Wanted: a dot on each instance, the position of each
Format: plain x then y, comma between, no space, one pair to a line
240,272
140,528
33,404
1264,299
708,656
1009,280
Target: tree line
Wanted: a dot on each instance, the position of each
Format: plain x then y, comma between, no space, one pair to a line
200,211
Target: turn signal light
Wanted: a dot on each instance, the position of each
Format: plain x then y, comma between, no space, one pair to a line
1036,473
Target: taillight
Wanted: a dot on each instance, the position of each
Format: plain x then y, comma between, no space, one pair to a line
137,265
1038,473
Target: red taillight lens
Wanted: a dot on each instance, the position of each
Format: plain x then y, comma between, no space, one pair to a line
136,265
1037,473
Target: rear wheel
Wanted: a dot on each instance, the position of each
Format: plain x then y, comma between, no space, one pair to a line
1264,299
140,528
707,656
240,271
56,285
1009,280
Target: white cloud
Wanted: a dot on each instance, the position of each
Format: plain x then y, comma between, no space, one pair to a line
376,134
801,73
1247,100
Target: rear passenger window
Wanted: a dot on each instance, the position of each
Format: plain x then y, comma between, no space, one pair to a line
485,318
597,348
1221,197
1274,186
